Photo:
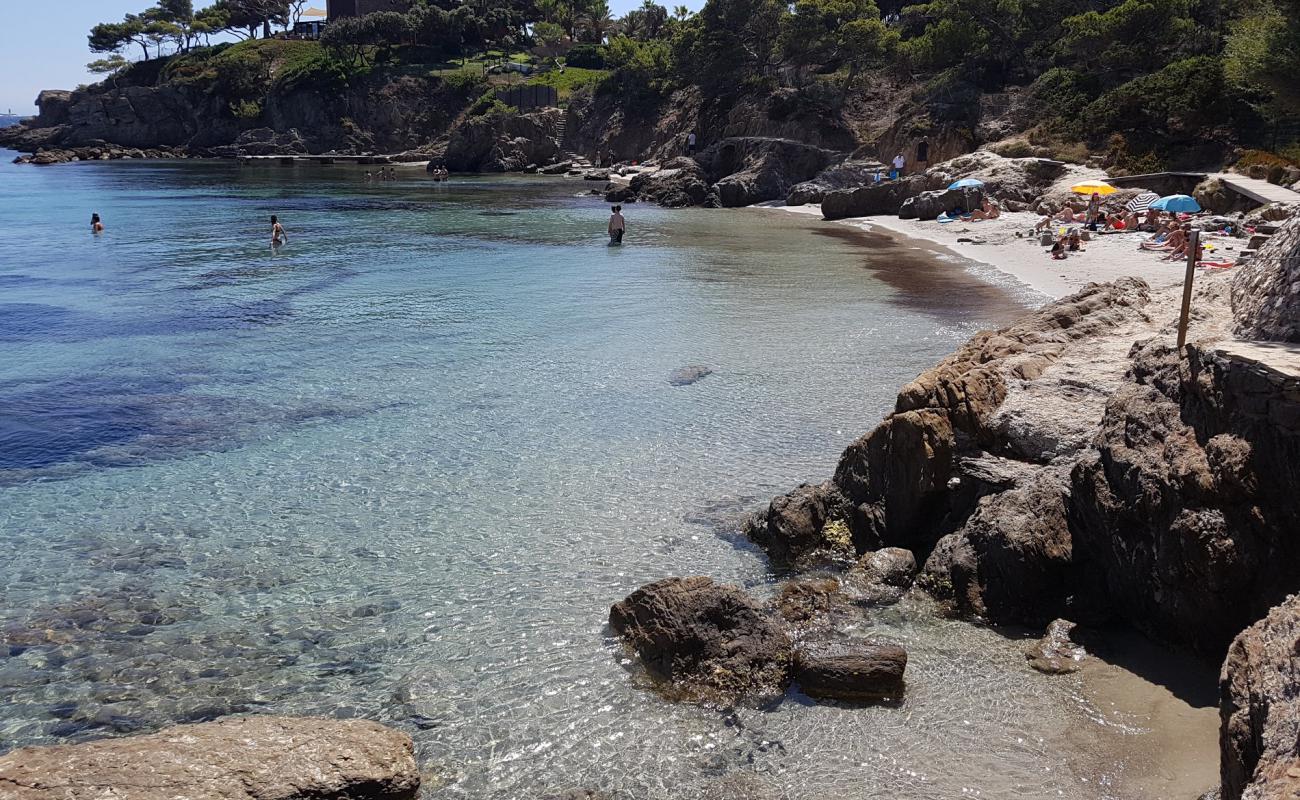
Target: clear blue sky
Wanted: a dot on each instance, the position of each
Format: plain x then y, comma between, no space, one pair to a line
43,43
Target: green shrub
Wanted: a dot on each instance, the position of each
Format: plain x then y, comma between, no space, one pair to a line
1061,94
463,81
586,56
246,109
570,80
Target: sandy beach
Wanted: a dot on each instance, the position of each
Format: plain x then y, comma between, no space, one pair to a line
1007,244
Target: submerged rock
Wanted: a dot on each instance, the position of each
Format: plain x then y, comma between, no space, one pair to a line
882,576
704,641
685,376
851,672
1055,653
243,758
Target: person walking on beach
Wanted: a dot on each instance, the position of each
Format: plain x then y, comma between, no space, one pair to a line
690,143
617,225
95,225
922,155
278,236
897,171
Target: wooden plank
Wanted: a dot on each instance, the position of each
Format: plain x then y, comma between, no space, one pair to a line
1257,190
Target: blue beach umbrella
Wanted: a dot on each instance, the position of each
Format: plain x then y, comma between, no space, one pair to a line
967,183
1179,203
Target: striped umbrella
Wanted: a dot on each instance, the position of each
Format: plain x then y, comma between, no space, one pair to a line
1142,202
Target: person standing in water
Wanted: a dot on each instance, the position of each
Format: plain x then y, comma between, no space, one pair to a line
617,225
278,236
95,225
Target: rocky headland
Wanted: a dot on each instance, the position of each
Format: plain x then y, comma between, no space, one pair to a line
1074,467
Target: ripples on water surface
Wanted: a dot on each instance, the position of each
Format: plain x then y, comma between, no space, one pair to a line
401,468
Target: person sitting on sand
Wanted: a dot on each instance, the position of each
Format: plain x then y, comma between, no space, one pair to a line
278,236
1114,222
1153,222
1074,242
1131,221
95,225
1058,249
1174,240
987,210
1179,250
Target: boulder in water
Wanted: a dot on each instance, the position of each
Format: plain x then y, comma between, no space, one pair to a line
704,641
851,672
1055,653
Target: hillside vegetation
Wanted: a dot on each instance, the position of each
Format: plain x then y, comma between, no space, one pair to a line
1143,83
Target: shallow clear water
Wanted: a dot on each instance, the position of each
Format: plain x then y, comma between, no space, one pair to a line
401,468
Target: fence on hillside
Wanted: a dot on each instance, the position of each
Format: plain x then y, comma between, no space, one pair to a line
525,98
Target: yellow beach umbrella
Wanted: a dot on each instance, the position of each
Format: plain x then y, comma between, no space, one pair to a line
315,12
1093,187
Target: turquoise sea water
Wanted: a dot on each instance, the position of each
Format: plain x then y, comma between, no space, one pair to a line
400,468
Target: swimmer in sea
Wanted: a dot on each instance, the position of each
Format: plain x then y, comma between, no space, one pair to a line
95,225
278,236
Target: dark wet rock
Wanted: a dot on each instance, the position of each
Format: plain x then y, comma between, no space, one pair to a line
873,199
619,193
930,205
1010,560
797,524
244,758
803,601
851,672
704,641
1056,653
685,376
558,168
1259,707
881,577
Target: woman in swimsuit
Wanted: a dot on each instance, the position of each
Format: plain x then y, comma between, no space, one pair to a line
278,236
95,225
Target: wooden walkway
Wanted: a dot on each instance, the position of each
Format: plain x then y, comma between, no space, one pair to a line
1260,191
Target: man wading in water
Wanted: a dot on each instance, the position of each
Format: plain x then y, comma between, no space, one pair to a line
617,225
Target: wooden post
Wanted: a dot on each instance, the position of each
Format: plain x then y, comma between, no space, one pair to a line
1193,248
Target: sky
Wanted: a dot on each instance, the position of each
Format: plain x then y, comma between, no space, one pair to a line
43,43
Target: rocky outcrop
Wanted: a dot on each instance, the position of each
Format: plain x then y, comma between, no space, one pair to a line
847,174
679,183
749,170
1259,709
239,758
504,142
886,197
704,641
1187,505
851,672
1266,293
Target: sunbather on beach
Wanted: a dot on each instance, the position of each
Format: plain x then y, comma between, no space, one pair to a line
1172,241
1179,240
987,210
1153,222
1058,249
1074,241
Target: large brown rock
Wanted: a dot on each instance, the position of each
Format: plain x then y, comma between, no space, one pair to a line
704,641
1259,708
851,672
678,184
504,142
240,758
1010,561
